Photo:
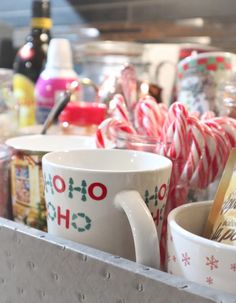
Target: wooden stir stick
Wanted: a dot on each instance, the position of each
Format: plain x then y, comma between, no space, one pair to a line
220,193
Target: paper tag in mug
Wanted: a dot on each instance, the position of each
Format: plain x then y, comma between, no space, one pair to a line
221,223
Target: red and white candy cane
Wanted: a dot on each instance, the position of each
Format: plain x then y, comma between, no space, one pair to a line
213,159
198,139
204,174
129,85
175,140
118,108
223,148
148,118
229,126
175,132
108,130
195,114
208,115
164,111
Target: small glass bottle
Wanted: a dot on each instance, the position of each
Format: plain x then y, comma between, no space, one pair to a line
82,118
30,60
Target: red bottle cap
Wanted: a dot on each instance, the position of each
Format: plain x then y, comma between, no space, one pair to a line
83,113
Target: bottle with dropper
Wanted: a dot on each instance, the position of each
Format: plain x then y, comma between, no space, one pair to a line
55,78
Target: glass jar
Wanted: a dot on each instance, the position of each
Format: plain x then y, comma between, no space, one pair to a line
227,98
100,60
122,140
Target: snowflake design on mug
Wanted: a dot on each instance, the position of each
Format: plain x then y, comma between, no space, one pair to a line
185,259
233,267
209,280
212,262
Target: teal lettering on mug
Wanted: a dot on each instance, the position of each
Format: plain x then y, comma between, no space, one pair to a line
48,182
76,217
158,195
79,221
82,189
156,216
51,211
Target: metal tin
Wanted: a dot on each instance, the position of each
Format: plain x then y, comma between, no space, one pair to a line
27,188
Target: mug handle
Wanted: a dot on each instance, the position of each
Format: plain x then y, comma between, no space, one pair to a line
143,228
160,66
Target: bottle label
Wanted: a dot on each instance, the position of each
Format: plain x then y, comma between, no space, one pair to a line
47,92
23,89
221,222
41,23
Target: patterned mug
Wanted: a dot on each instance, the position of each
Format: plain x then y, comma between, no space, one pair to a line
199,79
196,258
106,199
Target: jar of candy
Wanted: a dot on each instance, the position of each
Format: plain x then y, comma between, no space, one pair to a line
82,118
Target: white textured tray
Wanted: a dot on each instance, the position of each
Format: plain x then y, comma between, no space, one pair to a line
36,267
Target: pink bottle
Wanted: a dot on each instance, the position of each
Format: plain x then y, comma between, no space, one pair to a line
55,78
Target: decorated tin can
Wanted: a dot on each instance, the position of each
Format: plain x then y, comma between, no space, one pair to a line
27,187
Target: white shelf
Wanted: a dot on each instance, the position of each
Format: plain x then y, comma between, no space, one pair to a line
37,267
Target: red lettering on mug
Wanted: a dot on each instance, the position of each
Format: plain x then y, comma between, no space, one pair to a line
65,217
95,196
162,192
59,184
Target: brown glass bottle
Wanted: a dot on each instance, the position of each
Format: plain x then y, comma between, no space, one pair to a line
30,60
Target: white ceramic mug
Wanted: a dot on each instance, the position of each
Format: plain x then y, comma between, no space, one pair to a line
105,198
193,257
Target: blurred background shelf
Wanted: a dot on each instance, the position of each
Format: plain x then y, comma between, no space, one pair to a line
36,267
211,21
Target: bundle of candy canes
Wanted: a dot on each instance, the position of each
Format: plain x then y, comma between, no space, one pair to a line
197,145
